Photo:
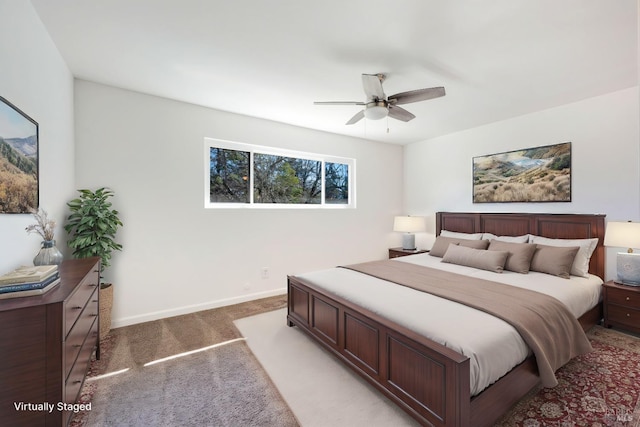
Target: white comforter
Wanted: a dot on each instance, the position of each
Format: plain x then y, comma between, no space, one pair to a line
493,346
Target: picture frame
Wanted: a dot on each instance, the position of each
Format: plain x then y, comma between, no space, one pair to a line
19,160
536,174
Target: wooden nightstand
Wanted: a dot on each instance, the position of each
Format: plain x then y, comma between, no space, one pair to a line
621,306
398,252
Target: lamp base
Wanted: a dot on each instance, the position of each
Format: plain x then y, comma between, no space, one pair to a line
409,242
628,266
620,282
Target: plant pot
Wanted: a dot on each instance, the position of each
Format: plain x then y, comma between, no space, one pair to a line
106,303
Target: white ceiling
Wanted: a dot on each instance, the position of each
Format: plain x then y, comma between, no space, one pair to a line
272,59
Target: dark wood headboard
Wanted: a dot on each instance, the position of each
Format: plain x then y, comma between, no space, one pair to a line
554,226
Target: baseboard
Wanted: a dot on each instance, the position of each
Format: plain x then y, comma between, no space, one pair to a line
156,315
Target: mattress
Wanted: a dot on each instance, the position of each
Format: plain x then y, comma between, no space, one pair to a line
493,346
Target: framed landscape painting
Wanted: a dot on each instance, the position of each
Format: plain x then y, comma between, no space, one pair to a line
539,174
18,160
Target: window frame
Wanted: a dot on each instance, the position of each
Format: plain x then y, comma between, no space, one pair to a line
262,149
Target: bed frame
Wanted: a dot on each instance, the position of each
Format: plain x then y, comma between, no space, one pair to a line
424,378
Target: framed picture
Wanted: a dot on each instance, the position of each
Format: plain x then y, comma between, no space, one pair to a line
539,174
18,160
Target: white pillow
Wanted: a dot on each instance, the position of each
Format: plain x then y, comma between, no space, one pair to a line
512,239
456,235
580,265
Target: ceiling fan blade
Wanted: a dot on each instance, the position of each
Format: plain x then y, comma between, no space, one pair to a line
400,113
372,84
417,95
338,103
359,116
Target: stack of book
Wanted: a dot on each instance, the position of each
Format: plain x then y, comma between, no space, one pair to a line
27,281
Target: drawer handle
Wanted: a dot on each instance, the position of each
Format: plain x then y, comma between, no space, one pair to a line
94,300
93,315
77,307
628,315
77,381
92,285
628,298
77,345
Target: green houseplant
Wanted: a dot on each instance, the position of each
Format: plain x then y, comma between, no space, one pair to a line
92,226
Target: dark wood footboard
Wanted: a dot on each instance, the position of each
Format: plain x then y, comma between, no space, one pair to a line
426,379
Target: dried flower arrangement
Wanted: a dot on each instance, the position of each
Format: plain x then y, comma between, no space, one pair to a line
43,226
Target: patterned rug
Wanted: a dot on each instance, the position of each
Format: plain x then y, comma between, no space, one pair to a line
601,388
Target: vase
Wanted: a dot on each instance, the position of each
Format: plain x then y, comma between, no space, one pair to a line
49,254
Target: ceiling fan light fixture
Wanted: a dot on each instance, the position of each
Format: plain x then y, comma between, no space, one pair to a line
376,112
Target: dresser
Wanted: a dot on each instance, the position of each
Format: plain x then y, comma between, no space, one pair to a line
622,306
46,343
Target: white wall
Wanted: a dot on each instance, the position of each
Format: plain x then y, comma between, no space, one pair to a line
179,257
35,79
605,137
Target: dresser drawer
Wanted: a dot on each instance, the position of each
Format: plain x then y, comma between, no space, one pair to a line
79,368
625,297
79,299
623,315
79,332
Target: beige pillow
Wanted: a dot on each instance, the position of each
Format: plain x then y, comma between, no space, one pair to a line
457,235
520,254
556,260
586,247
476,258
442,244
515,239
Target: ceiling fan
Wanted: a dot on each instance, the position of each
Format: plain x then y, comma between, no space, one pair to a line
378,105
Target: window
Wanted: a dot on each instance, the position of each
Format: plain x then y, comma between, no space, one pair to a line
242,175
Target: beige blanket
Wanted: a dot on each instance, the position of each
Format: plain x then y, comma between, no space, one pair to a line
545,324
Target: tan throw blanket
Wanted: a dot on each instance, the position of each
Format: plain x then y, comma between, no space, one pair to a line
544,323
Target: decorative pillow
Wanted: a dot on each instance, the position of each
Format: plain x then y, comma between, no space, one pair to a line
514,239
456,235
580,265
442,244
476,258
520,254
556,260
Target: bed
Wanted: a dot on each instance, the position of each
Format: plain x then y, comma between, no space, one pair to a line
430,378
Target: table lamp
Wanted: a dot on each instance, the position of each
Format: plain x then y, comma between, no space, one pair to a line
625,235
409,225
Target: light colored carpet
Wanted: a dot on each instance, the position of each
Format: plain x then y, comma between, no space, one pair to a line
303,372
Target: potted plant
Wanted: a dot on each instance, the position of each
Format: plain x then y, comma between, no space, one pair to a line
92,226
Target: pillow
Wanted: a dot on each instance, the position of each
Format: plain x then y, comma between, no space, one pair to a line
520,254
442,244
476,258
556,260
466,236
514,239
586,247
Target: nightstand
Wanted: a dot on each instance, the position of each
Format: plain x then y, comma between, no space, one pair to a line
398,252
621,306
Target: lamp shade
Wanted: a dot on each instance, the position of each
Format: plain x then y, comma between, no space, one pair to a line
622,234
409,224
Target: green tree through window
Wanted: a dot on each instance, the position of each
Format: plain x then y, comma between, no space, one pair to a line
248,176
229,176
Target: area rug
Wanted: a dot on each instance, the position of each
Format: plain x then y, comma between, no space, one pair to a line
599,389
219,386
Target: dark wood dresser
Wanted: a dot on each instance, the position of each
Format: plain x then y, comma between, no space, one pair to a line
46,343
